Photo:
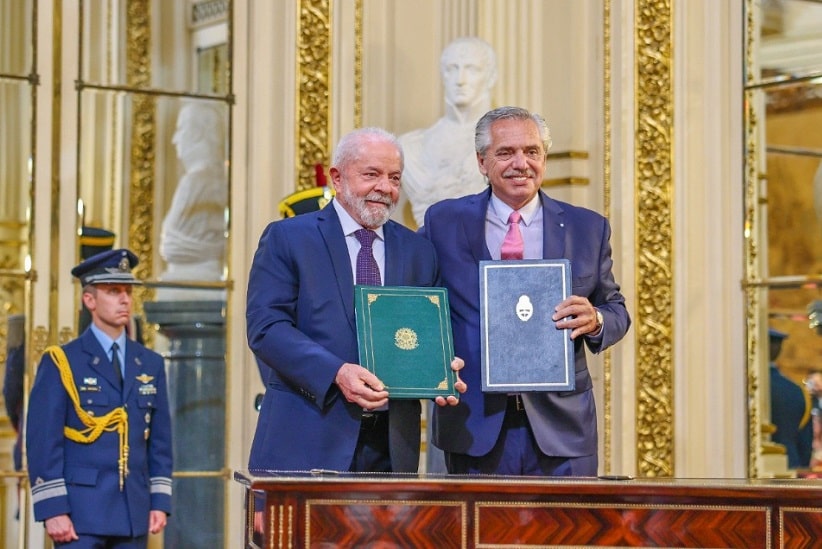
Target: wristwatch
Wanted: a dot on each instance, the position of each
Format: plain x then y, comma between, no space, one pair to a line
600,320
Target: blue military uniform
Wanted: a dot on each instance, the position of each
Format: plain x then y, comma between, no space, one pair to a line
790,410
76,473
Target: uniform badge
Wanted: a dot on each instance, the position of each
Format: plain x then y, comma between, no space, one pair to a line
90,384
146,388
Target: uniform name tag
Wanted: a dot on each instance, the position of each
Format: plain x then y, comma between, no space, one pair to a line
147,389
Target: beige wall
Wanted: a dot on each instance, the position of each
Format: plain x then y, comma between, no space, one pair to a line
400,91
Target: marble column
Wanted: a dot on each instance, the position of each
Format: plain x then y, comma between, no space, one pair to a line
196,372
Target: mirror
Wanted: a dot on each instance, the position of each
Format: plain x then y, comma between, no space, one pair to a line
783,94
152,155
153,136
17,128
178,203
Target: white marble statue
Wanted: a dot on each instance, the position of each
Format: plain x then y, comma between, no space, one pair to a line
193,238
440,161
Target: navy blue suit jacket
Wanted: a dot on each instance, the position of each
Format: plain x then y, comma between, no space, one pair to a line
301,325
791,414
564,423
82,480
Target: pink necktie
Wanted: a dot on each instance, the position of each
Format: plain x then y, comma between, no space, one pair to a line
513,246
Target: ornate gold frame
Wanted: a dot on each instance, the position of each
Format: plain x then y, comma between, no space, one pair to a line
752,243
653,187
654,237
313,128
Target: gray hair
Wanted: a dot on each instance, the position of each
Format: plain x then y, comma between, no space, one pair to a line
350,145
482,137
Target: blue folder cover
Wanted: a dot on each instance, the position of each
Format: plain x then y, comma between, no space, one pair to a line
522,349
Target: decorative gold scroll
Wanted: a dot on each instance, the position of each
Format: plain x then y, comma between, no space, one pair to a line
654,237
313,81
752,292
138,74
608,416
358,31
143,138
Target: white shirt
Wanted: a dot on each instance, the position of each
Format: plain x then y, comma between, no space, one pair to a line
349,227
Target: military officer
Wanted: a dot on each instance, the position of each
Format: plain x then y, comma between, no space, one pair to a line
98,426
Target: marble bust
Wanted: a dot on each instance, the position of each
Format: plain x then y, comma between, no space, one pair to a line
193,237
440,161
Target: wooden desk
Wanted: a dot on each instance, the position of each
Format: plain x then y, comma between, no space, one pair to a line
302,509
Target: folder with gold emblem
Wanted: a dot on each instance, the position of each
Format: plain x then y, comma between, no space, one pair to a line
405,339
522,349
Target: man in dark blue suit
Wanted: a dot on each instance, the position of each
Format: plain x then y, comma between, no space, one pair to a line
98,425
791,408
321,409
540,433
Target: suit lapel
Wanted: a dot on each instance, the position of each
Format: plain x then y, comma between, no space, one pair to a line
133,368
98,359
130,369
394,266
330,229
473,225
553,228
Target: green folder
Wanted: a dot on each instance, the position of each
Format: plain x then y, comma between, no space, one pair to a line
405,339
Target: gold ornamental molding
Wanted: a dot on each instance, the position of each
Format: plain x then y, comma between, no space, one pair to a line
566,182
138,75
207,12
143,137
607,365
281,525
65,335
358,31
751,250
39,341
313,96
654,237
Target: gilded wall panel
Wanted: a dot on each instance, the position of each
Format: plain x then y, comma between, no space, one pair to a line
654,232
313,81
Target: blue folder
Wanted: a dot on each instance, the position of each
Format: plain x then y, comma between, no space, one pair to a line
522,349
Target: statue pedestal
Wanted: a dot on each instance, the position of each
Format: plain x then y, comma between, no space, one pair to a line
196,372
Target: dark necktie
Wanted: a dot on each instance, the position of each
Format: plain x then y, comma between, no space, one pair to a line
513,246
368,272
115,361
